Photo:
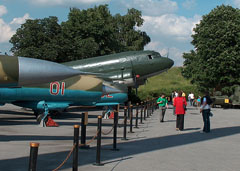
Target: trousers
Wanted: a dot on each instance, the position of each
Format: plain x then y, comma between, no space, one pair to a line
162,113
180,122
206,120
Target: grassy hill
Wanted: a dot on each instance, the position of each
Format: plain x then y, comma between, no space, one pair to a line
166,83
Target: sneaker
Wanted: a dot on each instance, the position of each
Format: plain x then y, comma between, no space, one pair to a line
177,129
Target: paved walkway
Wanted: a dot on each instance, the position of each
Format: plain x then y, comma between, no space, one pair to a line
154,146
158,146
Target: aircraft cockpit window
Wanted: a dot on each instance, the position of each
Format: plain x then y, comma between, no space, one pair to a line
150,57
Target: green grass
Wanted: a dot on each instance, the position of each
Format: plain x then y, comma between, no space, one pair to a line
166,83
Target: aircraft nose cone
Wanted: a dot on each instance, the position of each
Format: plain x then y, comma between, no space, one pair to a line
36,71
169,62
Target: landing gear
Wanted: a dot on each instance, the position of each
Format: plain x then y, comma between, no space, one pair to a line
43,117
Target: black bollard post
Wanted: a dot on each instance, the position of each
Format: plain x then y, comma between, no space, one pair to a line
99,132
129,109
75,151
141,118
33,156
125,124
145,108
131,119
152,106
115,131
83,130
136,121
149,108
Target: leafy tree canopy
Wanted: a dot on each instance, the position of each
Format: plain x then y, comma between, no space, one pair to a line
86,33
215,62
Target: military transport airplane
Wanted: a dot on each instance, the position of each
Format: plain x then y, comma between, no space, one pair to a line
130,68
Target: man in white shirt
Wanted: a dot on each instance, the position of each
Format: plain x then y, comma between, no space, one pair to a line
191,98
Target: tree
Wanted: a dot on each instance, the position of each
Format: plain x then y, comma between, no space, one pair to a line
38,38
128,37
86,33
215,62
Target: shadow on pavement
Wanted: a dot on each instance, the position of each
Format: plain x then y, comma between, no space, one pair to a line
127,149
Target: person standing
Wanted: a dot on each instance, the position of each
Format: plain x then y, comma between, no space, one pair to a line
191,97
180,105
183,94
173,104
176,93
205,110
162,103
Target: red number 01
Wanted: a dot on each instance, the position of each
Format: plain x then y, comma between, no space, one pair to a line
55,88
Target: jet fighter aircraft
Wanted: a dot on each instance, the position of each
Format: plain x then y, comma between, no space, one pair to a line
21,81
80,90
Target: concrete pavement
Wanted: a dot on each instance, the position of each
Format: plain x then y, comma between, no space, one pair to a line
154,146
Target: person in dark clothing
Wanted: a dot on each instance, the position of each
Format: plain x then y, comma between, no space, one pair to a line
205,110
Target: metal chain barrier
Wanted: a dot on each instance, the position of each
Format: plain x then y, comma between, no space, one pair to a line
106,133
70,153
68,156
90,141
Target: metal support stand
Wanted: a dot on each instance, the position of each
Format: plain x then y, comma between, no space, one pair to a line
46,112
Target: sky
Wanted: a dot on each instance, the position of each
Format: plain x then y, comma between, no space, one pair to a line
169,23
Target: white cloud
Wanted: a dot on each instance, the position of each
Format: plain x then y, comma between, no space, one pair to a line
67,2
20,20
3,10
6,31
171,33
236,3
189,4
178,27
152,7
